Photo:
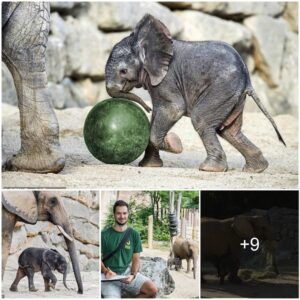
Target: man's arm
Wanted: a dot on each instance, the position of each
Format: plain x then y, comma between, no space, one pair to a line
107,272
135,266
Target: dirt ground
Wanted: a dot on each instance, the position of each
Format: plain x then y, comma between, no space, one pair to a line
90,284
185,285
285,285
180,171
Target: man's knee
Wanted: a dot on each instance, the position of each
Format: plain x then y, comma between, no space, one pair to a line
150,289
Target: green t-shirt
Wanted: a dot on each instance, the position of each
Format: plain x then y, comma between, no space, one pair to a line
110,239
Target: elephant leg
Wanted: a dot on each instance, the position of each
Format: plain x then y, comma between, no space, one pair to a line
30,273
20,274
47,284
216,157
49,276
188,261
8,223
255,161
195,261
205,124
162,121
24,44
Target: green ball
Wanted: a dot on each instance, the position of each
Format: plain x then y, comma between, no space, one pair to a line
116,131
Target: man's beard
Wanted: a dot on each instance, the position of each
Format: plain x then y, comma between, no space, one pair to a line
121,224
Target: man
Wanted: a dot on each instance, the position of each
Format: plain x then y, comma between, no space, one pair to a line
119,262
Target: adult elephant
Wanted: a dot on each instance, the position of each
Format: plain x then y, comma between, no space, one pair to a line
25,28
186,249
30,207
221,239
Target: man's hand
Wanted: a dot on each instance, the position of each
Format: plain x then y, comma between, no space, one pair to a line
128,279
110,274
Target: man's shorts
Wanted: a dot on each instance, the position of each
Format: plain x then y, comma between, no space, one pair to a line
113,289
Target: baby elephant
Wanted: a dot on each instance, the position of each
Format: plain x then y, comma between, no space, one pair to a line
176,261
33,260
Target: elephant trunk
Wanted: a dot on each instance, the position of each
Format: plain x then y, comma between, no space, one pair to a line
119,94
73,255
195,261
64,279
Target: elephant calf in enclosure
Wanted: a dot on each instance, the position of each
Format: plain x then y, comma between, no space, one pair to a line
186,249
30,207
207,81
34,260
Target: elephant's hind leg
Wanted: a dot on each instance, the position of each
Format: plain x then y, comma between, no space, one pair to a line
20,274
24,41
216,158
255,161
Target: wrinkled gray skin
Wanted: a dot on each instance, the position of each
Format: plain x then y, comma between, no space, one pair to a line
207,81
49,208
220,242
42,260
25,28
186,249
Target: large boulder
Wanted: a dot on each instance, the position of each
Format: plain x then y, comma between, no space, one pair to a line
200,27
240,10
269,38
55,59
156,269
120,16
291,15
86,47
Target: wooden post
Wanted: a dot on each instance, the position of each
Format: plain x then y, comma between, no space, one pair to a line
150,232
182,229
178,206
171,202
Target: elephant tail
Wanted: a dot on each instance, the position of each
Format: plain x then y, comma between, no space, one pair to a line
250,91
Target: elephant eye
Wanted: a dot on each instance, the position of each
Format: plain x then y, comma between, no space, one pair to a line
123,71
53,201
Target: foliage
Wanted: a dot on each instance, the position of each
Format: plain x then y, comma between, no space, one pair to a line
139,213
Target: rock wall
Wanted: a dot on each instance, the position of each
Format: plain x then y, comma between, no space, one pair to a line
83,210
83,34
285,226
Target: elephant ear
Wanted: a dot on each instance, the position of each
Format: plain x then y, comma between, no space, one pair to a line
154,45
47,258
23,204
243,227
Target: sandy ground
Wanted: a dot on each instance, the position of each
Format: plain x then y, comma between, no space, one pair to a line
180,171
185,285
285,285
90,284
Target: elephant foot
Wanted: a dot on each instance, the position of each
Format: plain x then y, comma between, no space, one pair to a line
151,158
151,162
13,288
50,161
172,143
256,164
52,285
211,165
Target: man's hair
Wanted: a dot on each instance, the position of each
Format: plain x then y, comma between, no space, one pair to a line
120,203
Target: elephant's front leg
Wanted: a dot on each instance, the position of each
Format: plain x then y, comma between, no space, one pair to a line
23,47
50,279
163,118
